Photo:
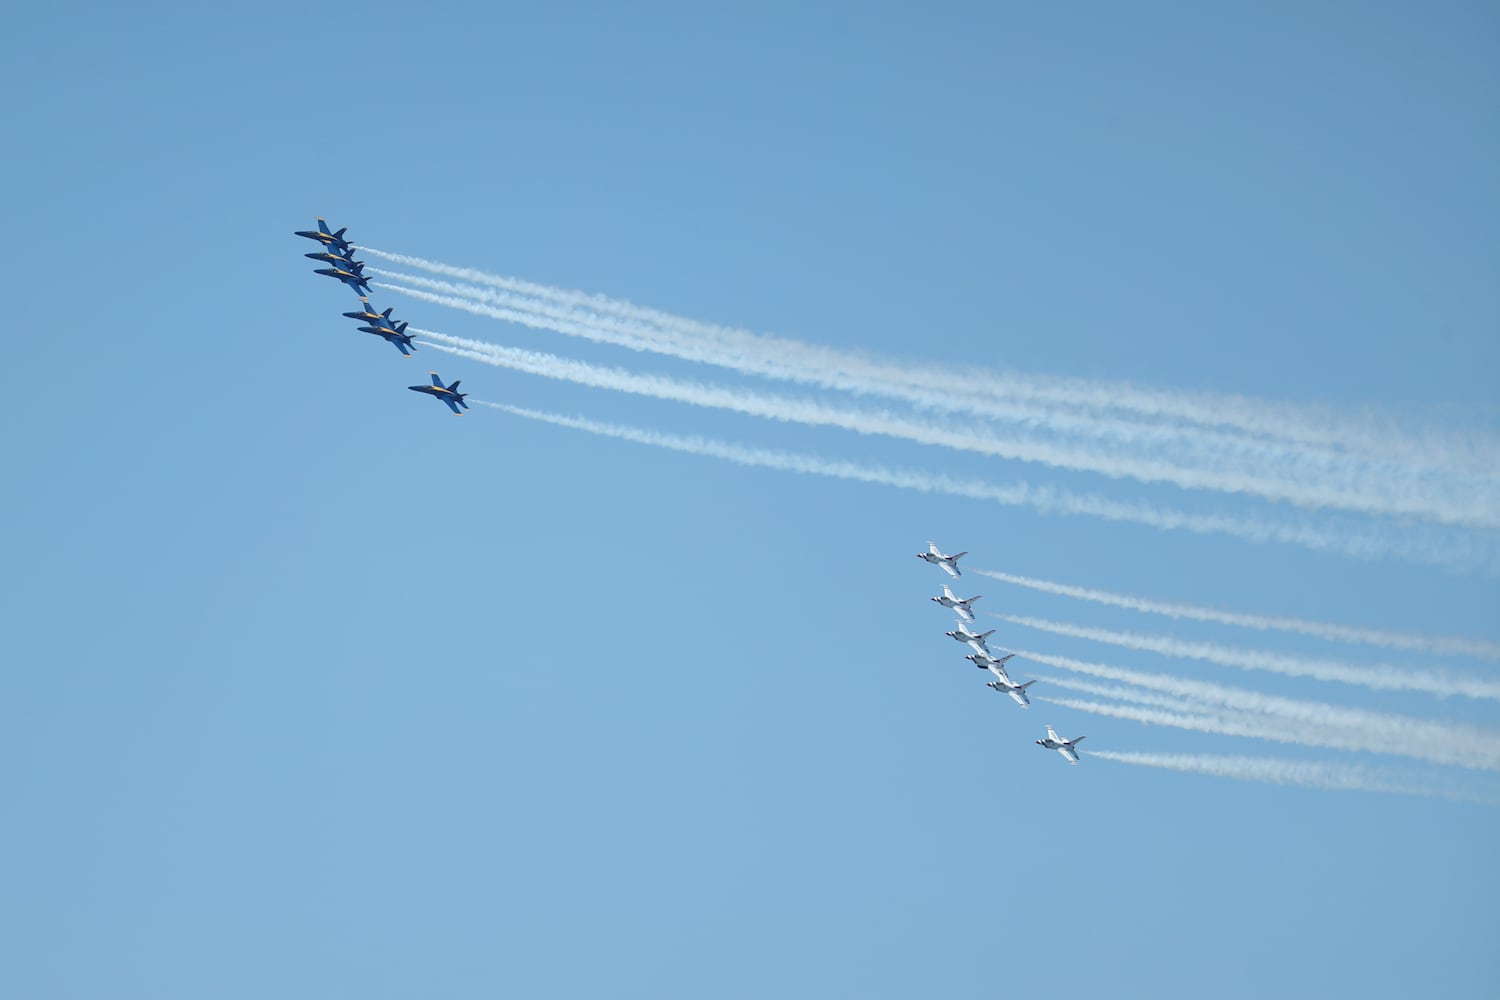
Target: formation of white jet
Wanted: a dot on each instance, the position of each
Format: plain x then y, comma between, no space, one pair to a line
982,657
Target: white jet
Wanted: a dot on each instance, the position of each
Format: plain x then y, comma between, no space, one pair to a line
960,605
949,563
1062,746
984,661
974,639
1016,691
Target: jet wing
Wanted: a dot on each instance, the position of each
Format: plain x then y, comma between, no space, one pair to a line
999,671
1069,753
437,381
1019,695
950,569
963,613
1052,735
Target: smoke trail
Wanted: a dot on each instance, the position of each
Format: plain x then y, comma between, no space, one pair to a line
1308,774
1369,433
1047,500
1484,756
1301,477
1293,719
1443,645
880,423
1379,676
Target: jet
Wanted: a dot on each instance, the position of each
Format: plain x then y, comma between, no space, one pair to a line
368,313
1017,691
986,662
1062,746
448,394
974,639
349,272
323,236
959,605
936,557
381,325
333,257
396,337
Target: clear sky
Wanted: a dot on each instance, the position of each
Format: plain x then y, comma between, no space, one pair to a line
312,689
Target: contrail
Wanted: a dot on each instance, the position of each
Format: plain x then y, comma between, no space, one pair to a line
1379,676
884,423
1363,489
1309,774
1486,757
1294,720
1372,434
1441,645
1045,499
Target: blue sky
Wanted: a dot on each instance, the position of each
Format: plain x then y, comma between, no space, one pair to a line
311,688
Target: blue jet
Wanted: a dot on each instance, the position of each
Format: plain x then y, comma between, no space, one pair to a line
448,394
350,272
332,257
334,240
381,324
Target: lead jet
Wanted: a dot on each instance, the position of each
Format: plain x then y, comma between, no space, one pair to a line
349,272
333,240
974,639
380,324
447,393
1005,685
936,557
960,605
1062,746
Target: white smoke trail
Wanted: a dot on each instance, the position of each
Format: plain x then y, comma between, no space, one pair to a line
1045,499
884,423
1296,476
1441,645
1369,433
1379,676
1308,774
1292,719
1484,756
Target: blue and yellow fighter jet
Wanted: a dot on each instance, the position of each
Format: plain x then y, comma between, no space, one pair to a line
350,272
332,257
334,241
381,324
448,394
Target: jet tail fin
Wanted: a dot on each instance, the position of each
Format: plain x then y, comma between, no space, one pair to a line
1027,685
957,556
1075,740
986,635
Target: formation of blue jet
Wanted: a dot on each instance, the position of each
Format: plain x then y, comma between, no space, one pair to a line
338,253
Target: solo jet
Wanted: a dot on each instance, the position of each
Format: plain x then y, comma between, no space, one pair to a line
936,557
1062,746
959,605
380,324
350,273
335,241
985,661
1004,684
974,639
448,394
